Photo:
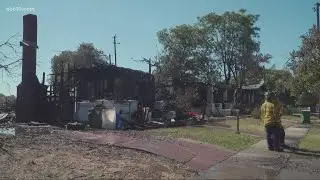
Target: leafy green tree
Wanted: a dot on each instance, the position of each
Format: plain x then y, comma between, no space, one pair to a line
217,45
232,40
182,62
61,61
305,65
85,56
278,80
233,45
182,59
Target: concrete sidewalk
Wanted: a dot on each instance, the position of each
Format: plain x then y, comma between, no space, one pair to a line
197,155
301,165
257,162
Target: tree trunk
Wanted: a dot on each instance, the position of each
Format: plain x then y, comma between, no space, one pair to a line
235,99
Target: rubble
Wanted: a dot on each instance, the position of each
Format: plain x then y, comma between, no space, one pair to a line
7,119
7,123
75,126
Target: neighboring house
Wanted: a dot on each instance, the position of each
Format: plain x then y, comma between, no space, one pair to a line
251,94
223,93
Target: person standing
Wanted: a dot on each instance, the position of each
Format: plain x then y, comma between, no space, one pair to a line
279,109
272,126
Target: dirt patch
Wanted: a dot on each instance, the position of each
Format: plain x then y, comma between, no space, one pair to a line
43,153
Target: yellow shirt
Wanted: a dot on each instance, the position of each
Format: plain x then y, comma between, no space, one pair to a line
278,110
268,113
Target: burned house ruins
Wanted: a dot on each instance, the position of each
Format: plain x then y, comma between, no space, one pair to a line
56,102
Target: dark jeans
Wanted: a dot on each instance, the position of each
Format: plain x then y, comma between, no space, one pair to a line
282,136
273,137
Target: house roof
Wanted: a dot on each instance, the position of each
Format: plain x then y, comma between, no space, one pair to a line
254,86
111,69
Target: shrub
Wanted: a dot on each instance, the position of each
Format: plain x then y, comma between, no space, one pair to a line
286,111
247,110
255,113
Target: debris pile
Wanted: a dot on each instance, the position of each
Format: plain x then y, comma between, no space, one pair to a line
7,123
75,126
7,119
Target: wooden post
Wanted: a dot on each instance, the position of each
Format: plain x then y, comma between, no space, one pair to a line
74,97
209,100
61,86
43,78
50,96
238,123
68,79
55,87
318,107
103,87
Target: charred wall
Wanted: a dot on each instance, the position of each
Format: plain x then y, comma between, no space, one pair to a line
115,83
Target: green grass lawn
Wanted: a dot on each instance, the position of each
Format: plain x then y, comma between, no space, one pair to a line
248,125
252,126
312,140
296,118
227,139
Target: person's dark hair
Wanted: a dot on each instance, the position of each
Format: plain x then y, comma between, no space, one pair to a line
269,96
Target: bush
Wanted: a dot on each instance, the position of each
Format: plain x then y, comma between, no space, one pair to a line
307,99
255,113
7,103
247,110
288,110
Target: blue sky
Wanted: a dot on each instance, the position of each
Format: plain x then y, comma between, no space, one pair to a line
63,25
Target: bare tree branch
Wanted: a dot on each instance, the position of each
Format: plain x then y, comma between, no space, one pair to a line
7,62
12,65
145,60
11,45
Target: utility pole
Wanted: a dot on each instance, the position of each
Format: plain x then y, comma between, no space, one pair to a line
147,61
316,8
115,49
150,65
